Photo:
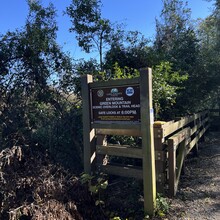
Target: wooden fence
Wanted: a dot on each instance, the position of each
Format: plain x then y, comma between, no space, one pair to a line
159,158
173,140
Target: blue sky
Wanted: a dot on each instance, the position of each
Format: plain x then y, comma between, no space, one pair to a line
137,14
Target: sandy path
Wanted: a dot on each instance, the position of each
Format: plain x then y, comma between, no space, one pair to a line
198,196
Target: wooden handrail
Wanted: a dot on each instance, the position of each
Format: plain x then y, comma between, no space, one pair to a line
184,140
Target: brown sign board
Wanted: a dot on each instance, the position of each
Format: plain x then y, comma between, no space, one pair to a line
120,103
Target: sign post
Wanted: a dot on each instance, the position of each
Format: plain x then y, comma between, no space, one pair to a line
121,107
88,132
149,176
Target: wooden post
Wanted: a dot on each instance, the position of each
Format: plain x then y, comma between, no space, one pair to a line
100,140
161,160
88,133
175,164
180,160
195,149
149,177
172,167
161,148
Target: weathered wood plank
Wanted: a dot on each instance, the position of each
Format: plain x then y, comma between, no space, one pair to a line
100,140
88,132
124,171
160,164
179,137
180,124
129,132
175,164
117,126
160,155
120,151
179,163
160,124
117,82
172,167
176,126
180,140
196,139
149,174
198,125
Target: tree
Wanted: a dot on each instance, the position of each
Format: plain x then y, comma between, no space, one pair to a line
31,63
217,15
209,58
175,37
133,52
36,106
92,31
166,85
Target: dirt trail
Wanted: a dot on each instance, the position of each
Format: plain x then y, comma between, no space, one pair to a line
198,196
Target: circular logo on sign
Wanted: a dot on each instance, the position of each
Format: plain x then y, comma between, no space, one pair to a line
114,90
129,91
100,93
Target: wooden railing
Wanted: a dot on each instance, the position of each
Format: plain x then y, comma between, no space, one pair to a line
175,139
158,159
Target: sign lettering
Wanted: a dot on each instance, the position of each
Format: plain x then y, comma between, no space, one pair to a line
116,104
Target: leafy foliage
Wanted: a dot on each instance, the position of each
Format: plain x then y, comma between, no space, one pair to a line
166,84
96,185
92,31
162,206
175,38
132,52
36,106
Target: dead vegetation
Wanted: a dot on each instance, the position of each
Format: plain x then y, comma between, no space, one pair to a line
33,187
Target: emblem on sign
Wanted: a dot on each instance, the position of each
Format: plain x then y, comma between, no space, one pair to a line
114,90
129,91
100,93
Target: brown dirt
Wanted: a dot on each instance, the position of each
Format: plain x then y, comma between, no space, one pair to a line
198,196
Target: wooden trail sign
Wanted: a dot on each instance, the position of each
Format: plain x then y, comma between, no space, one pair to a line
121,107
121,103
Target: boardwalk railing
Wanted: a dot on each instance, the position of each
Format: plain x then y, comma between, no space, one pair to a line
173,140
176,139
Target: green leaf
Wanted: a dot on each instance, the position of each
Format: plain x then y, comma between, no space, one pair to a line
161,214
104,185
99,202
93,189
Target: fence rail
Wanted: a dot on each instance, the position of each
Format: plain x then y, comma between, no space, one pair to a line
181,143
173,141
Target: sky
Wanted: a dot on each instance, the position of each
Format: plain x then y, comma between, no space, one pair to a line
136,14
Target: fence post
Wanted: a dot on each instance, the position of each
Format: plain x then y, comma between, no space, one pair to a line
100,159
88,133
160,157
149,178
172,167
